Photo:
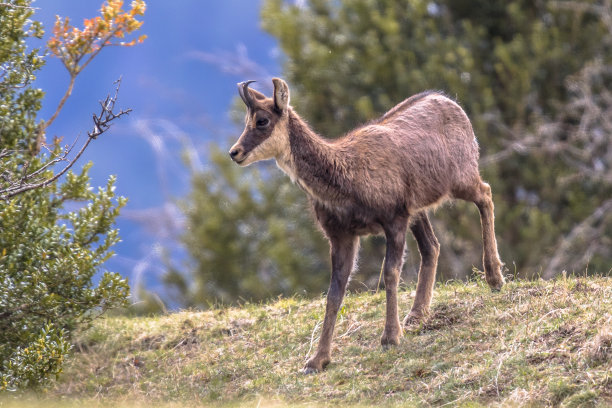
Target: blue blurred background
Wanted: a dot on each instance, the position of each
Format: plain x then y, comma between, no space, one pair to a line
180,84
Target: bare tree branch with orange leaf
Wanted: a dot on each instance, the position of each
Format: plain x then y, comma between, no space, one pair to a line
76,48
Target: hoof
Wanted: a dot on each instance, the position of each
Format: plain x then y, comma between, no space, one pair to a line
388,346
497,283
495,277
413,320
315,365
309,370
390,340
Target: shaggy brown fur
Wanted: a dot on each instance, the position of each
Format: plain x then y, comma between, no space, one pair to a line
378,179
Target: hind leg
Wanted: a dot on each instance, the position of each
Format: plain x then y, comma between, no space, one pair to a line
429,248
490,259
395,233
482,197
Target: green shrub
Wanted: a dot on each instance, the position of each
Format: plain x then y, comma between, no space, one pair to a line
55,237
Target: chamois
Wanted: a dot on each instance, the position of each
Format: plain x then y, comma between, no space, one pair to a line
378,179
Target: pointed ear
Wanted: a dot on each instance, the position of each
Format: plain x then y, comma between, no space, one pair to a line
257,95
281,95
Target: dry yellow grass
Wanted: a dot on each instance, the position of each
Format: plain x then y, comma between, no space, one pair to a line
535,343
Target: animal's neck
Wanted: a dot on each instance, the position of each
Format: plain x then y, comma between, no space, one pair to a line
313,162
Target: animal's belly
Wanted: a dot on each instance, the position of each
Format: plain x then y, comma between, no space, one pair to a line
352,219
361,226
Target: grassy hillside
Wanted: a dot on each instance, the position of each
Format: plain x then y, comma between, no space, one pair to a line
534,343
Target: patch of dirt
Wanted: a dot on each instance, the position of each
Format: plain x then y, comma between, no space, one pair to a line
584,286
449,314
559,334
491,391
600,350
236,326
187,339
83,346
149,342
517,295
554,356
566,334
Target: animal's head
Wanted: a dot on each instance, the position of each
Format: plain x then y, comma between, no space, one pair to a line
265,133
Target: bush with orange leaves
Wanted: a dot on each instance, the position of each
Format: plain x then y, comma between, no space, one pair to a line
71,45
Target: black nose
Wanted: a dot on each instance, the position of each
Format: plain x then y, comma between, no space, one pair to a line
236,153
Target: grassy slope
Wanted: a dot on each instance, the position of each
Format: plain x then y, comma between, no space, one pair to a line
534,343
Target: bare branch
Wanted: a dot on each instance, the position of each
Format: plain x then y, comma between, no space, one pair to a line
61,104
523,146
74,71
586,231
585,126
30,181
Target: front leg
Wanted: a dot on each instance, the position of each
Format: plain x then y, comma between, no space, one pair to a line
396,240
343,252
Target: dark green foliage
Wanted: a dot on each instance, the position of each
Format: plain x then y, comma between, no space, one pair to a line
250,236
18,102
48,258
509,64
32,364
53,239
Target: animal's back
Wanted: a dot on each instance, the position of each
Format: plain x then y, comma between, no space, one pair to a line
428,116
429,140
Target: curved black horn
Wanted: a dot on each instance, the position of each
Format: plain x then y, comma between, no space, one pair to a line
243,90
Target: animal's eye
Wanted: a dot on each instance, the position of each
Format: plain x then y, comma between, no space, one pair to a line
263,122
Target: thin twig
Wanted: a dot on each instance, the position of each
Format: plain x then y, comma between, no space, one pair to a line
102,122
312,337
579,231
57,159
61,103
353,327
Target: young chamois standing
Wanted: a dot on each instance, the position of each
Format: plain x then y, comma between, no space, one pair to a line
378,179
